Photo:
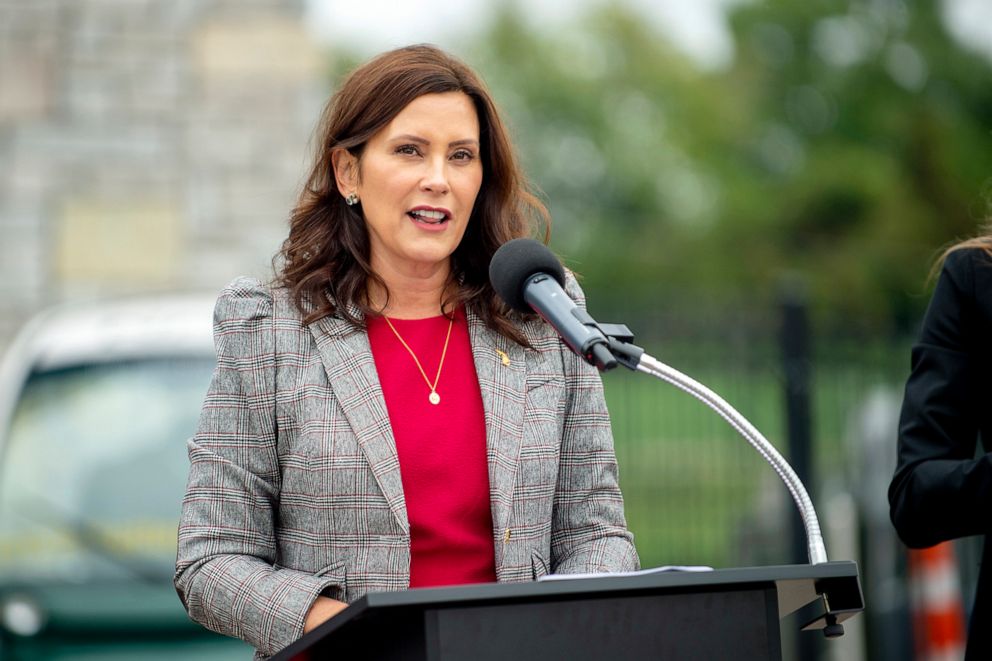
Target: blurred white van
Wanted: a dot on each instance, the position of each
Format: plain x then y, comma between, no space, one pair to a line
96,404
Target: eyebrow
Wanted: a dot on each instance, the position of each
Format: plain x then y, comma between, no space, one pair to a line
424,141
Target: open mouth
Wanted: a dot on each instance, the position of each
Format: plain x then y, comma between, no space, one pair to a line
428,216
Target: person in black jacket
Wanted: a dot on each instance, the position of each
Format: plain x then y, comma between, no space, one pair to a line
942,489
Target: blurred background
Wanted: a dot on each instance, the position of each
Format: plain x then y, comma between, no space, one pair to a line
757,189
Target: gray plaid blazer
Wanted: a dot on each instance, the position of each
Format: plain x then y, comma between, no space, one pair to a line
294,486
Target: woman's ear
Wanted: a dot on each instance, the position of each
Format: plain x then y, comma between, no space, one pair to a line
345,171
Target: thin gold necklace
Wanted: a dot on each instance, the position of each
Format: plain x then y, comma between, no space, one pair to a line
433,398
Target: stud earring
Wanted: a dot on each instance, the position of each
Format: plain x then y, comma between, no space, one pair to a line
351,200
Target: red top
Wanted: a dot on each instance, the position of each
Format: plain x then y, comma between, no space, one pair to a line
441,448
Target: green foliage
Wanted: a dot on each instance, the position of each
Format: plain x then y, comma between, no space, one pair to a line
846,143
891,139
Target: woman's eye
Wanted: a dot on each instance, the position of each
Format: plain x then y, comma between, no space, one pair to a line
409,150
463,155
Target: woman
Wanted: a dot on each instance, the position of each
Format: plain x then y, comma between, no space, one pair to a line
378,420
941,490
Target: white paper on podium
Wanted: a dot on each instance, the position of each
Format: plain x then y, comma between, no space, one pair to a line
641,572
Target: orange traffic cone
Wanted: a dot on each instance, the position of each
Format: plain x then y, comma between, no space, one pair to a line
936,603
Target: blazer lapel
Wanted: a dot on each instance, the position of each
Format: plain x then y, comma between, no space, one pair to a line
499,364
347,357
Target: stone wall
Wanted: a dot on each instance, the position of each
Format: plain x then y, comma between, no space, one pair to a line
147,145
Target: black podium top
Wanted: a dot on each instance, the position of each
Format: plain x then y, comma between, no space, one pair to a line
832,589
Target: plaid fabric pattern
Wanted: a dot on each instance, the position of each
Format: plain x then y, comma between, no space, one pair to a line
294,487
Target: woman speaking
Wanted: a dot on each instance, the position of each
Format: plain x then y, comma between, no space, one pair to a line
378,420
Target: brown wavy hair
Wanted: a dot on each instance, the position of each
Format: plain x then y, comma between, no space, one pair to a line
325,261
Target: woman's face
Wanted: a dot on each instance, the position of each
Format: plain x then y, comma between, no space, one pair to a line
418,180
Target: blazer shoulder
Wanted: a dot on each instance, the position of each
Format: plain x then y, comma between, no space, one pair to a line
969,272
248,306
961,306
967,258
244,299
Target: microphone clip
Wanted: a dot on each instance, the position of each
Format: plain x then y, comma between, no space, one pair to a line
618,348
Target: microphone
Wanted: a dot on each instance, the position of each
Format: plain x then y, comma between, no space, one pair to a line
528,277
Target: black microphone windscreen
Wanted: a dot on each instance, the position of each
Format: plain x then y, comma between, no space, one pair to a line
517,260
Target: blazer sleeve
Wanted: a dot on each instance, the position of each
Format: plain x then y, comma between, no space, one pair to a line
589,532
940,491
225,568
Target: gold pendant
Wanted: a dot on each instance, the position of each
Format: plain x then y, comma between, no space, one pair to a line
435,398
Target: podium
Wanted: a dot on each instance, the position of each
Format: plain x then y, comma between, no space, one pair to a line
719,614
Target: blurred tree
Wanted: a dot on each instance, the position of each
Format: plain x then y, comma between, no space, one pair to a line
870,147
846,142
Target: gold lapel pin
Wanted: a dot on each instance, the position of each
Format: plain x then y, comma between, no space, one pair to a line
503,357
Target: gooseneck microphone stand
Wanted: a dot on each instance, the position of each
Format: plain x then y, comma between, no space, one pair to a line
619,345
619,349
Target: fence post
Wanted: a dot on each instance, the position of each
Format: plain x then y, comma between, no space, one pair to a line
797,361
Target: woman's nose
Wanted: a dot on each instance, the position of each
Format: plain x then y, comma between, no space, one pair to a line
436,178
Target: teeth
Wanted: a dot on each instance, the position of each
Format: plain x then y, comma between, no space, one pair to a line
429,215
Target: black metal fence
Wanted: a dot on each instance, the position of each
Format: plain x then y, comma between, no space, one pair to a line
697,493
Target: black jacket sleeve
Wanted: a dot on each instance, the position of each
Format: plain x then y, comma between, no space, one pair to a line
940,490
